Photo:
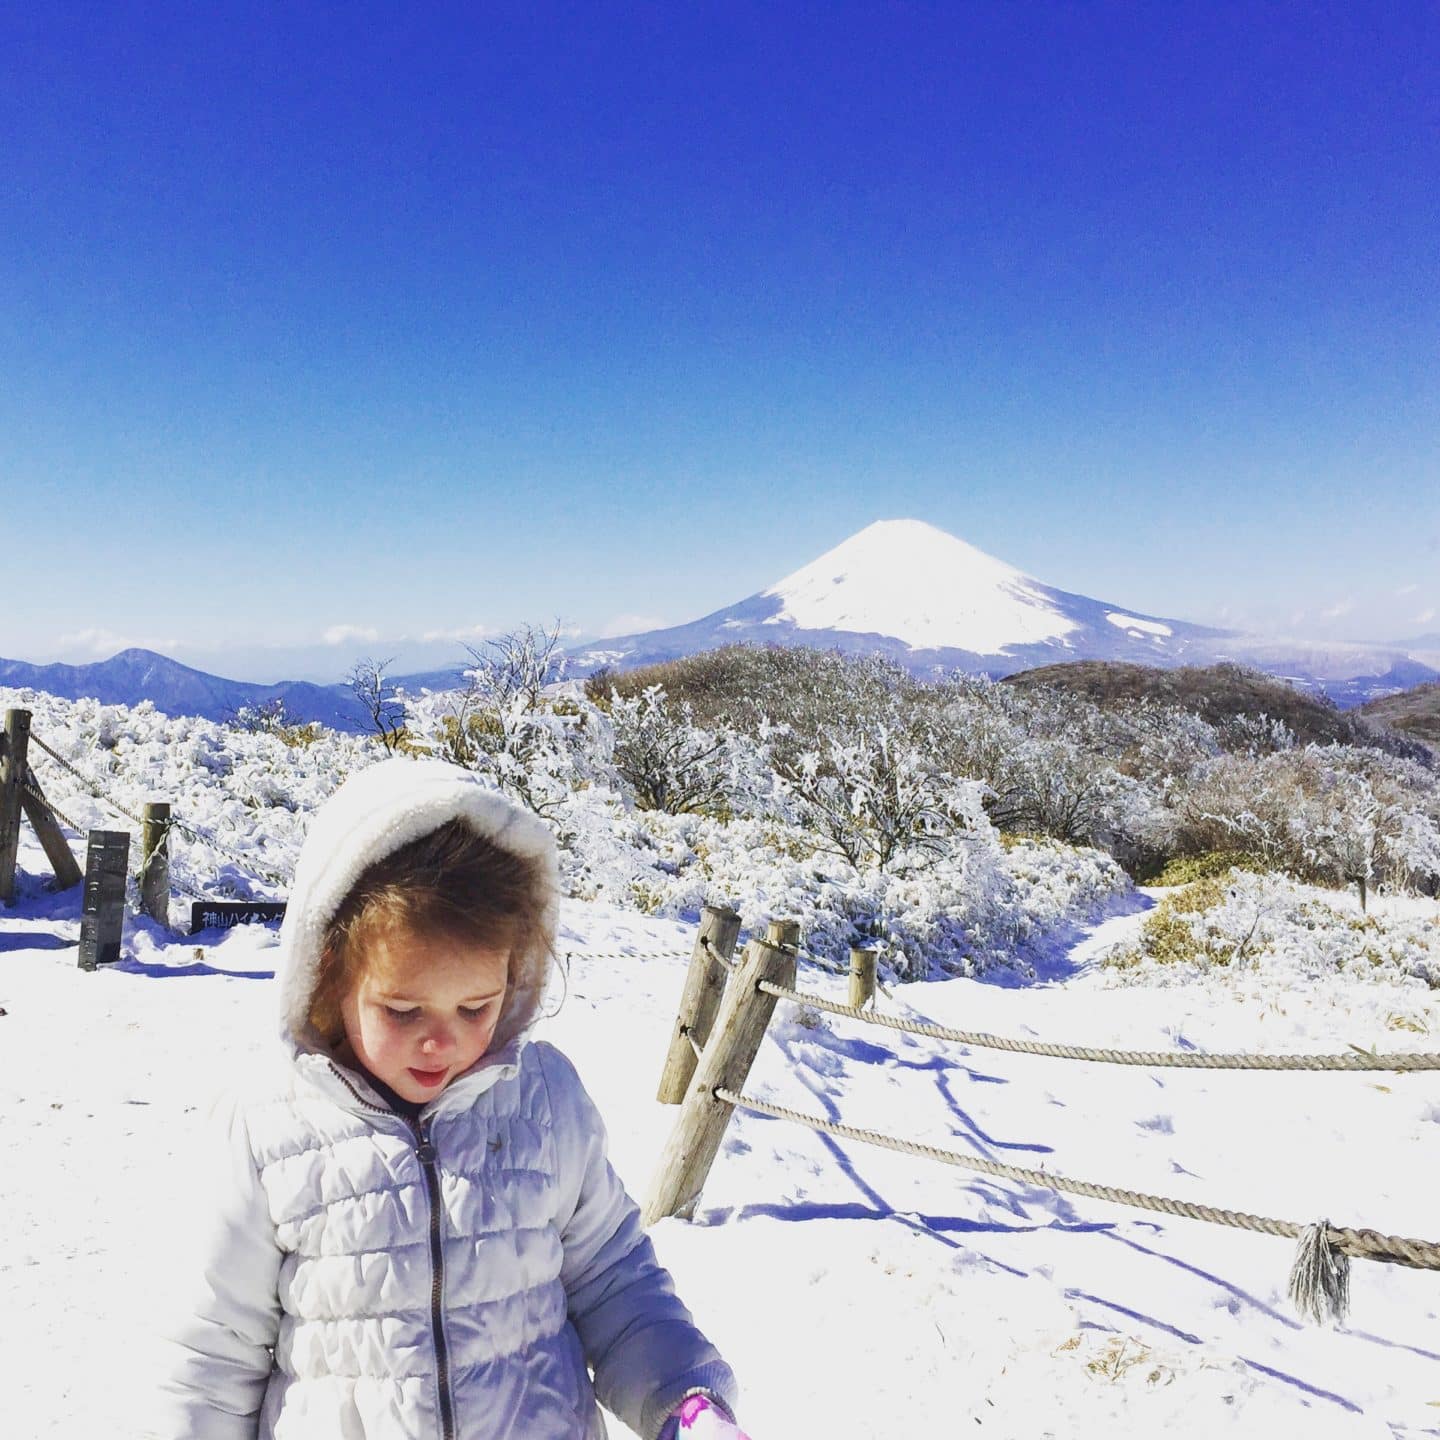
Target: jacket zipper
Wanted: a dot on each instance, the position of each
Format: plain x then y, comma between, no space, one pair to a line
425,1154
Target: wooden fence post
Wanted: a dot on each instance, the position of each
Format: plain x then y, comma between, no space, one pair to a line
155,861
862,978
13,763
695,1141
704,985
783,934
57,848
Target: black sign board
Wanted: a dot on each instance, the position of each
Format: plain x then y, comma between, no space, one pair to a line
102,904
224,914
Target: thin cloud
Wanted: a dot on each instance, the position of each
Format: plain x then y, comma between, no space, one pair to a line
1405,590
348,634
1337,610
629,625
98,641
1425,616
465,634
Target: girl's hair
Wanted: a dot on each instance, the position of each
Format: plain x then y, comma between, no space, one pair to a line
450,884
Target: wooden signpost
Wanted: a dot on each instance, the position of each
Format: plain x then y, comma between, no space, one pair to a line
102,906
224,914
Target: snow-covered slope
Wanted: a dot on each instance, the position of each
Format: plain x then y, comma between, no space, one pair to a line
859,1294
928,600
974,1304
908,580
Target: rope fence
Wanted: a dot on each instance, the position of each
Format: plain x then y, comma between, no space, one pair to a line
1366,1244
108,848
92,785
712,1069
137,871
1356,1059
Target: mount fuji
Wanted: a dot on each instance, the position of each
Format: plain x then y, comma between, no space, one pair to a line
898,588
932,603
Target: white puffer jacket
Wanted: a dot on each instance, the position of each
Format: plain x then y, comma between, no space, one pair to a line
366,1280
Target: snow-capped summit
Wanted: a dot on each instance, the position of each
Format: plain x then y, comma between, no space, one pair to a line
929,601
920,585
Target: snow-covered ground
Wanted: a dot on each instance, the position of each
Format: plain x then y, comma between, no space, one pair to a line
858,1293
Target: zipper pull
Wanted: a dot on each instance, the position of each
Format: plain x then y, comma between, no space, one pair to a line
424,1150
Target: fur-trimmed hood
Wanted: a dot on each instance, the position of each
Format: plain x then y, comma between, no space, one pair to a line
373,814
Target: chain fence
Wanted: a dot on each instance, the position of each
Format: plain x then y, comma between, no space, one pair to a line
54,811
193,832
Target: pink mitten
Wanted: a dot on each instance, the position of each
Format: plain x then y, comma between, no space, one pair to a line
701,1419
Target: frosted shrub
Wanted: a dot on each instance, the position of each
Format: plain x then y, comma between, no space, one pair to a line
877,800
606,854
1048,765
973,907
979,730
510,725
668,762
1245,922
251,794
1333,814
950,897
271,717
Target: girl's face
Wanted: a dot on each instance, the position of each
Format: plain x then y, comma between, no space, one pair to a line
423,1009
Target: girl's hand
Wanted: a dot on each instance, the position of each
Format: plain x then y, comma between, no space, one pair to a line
701,1419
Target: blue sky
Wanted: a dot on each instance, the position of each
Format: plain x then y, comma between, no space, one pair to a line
323,329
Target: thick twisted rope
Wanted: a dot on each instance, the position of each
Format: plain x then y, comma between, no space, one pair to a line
1366,1244
1356,1059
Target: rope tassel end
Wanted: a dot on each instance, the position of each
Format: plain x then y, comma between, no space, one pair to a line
1320,1277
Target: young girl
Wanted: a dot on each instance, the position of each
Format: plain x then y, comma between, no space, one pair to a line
415,1231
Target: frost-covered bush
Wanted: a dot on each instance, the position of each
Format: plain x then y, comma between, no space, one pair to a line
1242,921
271,717
1332,814
875,797
975,907
787,689
244,801
665,761
509,725
1148,768
240,800
1050,766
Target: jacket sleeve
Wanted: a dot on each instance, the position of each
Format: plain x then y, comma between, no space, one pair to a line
215,1348
640,1342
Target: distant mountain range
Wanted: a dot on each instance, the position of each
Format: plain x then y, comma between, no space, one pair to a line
136,675
898,588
